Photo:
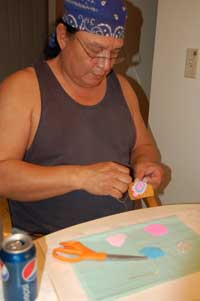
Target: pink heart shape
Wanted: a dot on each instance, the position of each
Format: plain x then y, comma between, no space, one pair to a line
156,229
116,240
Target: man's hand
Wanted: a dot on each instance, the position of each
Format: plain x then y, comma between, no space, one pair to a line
105,178
150,172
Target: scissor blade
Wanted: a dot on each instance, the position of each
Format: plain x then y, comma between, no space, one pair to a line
125,257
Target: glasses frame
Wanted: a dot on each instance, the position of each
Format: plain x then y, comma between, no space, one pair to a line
113,59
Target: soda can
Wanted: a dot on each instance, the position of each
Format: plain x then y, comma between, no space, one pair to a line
18,268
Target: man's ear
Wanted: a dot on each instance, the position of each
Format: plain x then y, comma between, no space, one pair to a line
61,35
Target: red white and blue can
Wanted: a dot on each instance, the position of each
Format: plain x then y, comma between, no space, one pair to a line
18,268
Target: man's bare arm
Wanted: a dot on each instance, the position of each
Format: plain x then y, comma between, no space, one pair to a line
145,156
21,180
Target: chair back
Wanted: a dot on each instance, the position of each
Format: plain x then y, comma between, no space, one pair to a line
5,220
152,201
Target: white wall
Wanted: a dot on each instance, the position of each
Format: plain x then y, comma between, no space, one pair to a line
175,100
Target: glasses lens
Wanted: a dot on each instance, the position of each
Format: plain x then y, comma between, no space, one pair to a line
114,59
121,57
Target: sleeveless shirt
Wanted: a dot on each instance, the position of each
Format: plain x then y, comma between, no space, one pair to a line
71,133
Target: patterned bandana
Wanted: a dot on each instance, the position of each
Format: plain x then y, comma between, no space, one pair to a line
103,17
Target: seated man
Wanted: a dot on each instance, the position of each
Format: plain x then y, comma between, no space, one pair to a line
70,127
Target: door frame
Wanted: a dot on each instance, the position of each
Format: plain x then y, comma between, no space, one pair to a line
55,10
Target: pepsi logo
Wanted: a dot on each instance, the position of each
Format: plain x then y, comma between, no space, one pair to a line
29,271
4,272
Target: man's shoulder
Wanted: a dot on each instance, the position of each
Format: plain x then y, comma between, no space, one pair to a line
128,91
19,83
20,88
20,78
123,80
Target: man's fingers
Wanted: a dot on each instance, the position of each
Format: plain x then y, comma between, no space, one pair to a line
122,168
116,194
107,178
126,179
122,187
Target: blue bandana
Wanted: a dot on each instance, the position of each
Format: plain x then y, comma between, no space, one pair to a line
103,17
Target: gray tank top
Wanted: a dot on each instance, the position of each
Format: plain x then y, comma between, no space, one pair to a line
71,133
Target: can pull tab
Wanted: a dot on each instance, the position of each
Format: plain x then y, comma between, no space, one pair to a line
16,245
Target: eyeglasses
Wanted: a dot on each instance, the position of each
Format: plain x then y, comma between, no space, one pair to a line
116,59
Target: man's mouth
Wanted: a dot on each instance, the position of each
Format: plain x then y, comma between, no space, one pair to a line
99,75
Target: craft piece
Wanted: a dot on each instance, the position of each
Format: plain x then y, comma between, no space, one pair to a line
152,252
183,247
139,189
117,240
115,280
156,229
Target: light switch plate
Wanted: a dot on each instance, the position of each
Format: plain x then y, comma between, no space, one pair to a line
191,64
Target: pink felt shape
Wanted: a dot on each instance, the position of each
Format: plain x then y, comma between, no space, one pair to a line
116,240
156,229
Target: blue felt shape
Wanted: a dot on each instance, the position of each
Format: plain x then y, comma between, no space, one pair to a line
152,252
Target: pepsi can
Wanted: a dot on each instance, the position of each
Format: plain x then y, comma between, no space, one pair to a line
18,268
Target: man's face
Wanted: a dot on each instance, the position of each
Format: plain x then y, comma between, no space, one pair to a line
88,58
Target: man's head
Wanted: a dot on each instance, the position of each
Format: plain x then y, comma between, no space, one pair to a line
97,41
103,17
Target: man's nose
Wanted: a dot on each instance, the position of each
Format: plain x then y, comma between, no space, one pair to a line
105,63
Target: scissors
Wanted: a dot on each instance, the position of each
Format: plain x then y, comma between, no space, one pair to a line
81,252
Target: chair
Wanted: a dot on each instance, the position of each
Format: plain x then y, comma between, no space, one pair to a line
149,202
152,201
5,220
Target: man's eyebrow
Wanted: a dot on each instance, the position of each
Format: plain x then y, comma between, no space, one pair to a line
97,45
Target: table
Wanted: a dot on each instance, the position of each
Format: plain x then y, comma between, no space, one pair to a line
53,286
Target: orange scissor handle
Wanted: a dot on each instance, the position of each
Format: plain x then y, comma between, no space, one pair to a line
80,251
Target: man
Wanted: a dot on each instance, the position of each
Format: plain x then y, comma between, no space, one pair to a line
70,128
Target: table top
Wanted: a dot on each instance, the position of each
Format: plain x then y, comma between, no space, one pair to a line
53,286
